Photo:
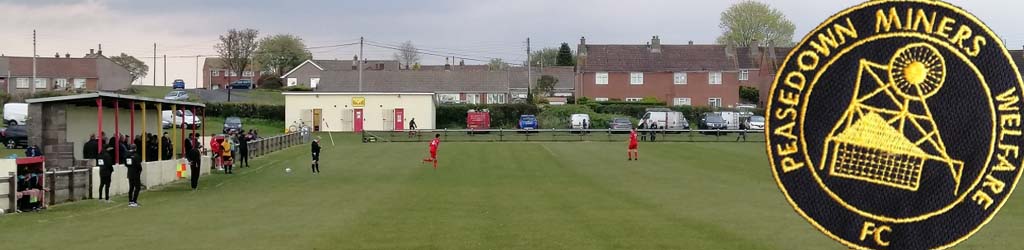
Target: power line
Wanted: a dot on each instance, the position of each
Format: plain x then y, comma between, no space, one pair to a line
440,53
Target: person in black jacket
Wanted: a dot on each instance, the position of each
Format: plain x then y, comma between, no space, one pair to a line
105,162
243,150
89,150
316,156
165,142
193,158
134,164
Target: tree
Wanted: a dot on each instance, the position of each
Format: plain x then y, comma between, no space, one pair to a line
407,54
236,49
544,57
497,64
136,68
749,94
750,21
278,54
565,57
545,85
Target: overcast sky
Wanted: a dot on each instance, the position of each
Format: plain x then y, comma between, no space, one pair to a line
474,29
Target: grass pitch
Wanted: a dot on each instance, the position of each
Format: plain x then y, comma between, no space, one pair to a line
484,196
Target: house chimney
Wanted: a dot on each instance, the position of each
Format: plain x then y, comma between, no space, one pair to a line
755,51
462,62
355,62
691,42
56,55
91,51
99,50
655,44
67,55
581,50
447,66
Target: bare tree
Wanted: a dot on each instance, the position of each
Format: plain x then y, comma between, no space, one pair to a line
407,54
236,49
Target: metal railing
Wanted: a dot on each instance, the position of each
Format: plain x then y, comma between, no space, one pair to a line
566,135
12,189
269,145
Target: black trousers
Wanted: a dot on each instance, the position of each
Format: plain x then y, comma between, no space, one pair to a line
244,161
134,184
194,167
105,183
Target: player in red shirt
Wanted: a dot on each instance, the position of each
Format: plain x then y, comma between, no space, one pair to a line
436,142
632,151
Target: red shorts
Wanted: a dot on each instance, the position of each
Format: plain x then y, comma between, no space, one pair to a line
433,154
633,146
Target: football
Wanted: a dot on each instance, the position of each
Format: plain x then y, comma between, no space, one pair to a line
288,170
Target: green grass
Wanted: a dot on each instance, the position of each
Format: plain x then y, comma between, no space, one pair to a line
484,196
264,96
157,92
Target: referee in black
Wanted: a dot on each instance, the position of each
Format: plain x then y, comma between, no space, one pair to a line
316,156
134,164
106,164
193,157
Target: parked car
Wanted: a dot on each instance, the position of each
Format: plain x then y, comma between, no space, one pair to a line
733,120
176,95
712,121
178,84
478,119
663,118
528,122
577,121
14,136
179,119
620,125
755,122
232,124
241,84
15,113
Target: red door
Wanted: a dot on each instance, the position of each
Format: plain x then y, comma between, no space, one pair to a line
399,119
357,122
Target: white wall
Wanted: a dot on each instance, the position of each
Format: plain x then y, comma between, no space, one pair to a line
6,166
338,109
153,174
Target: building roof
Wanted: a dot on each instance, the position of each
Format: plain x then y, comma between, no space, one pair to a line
700,57
50,67
416,81
89,99
343,65
1018,57
217,62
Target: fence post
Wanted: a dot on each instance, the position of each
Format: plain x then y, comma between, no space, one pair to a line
89,173
13,188
71,185
53,183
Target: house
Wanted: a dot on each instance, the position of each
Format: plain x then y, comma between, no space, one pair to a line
677,74
217,76
460,83
93,72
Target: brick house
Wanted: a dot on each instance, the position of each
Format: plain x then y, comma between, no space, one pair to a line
217,75
699,75
459,83
62,73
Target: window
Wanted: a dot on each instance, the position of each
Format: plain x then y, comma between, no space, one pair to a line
715,77
636,78
679,78
313,82
231,73
215,72
681,101
41,83
473,98
715,102
23,83
60,83
601,78
247,74
744,75
448,98
495,98
634,99
79,83
292,81
601,99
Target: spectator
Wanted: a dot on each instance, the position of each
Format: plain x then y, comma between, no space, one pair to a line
243,151
214,151
33,151
654,134
643,134
90,150
165,142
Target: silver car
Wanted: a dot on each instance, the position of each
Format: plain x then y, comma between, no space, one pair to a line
176,95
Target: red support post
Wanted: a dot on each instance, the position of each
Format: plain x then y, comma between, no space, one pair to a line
99,125
132,133
117,133
204,122
183,130
194,117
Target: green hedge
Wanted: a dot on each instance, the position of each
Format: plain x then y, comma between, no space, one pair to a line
502,115
247,110
560,117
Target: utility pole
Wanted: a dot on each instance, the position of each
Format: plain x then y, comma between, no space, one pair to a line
165,70
197,72
154,64
33,61
529,72
360,63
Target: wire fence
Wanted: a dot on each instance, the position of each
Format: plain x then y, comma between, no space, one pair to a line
564,135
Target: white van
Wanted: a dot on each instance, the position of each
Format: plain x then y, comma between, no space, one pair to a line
577,121
15,113
179,119
732,119
664,119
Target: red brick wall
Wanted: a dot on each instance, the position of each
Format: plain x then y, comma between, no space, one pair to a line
660,86
222,79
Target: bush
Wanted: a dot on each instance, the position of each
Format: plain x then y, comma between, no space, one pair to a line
247,110
270,82
502,115
631,110
298,89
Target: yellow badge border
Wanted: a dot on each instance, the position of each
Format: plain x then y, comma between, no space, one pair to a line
827,22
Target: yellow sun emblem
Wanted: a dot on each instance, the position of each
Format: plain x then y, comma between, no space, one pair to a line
917,71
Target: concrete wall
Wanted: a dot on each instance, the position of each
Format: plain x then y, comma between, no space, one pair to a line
112,76
338,110
86,124
154,174
6,166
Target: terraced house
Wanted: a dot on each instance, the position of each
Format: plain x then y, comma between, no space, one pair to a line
689,74
460,83
62,73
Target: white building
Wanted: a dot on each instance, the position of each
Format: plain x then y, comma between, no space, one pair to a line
355,112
